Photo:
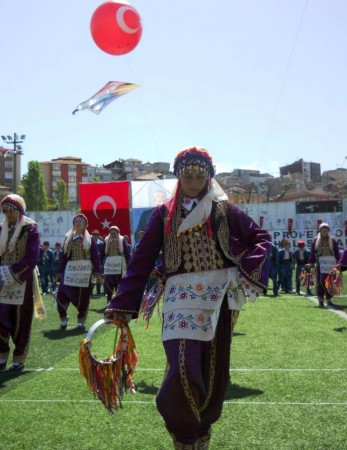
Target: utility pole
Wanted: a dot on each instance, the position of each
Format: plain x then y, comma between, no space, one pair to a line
14,140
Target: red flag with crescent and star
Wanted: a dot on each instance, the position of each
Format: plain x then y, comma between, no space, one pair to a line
106,204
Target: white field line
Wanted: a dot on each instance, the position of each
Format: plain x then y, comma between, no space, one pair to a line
152,402
76,369
332,309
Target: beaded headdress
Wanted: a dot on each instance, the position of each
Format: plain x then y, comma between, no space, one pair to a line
193,159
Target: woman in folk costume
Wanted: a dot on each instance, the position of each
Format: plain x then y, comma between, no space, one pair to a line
19,255
80,260
214,257
325,254
116,256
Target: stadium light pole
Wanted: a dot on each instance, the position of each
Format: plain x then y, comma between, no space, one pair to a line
14,140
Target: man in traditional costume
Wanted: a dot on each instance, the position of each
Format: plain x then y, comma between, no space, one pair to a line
80,261
285,256
300,257
19,255
57,255
214,258
325,255
100,246
116,256
47,267
274,268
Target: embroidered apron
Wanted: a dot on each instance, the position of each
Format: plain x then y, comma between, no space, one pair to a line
192,303
11,291
77,273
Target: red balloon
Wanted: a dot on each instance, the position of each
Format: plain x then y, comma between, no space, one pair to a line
116,27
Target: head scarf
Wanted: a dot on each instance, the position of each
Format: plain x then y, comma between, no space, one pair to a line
319,237
81,216
17,203
119,239
87,240
324,225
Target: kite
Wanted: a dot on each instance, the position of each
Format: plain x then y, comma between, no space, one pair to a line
111,91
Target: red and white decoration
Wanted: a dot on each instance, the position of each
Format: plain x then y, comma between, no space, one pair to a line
116,27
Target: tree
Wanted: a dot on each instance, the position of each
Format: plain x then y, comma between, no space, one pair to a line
32,188
61,194
269,187
250,190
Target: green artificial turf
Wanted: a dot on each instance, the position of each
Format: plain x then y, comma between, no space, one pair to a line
288,384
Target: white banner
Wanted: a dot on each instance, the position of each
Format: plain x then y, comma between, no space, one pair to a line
113,265
77,273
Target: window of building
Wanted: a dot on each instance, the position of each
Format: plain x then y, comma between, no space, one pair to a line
72,193
56,167
8,175
72,179
8,165
72,167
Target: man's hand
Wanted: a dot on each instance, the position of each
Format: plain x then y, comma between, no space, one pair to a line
117,316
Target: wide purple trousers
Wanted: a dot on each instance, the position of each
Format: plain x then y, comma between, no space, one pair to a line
111,285
192,394
78,296
15,323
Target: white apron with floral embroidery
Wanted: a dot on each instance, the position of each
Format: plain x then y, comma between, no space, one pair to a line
11,291
192,302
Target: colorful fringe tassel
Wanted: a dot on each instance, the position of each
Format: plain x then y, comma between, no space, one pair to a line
306,277
333,283
111,378
151,298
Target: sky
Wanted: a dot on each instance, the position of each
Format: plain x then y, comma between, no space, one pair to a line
259,83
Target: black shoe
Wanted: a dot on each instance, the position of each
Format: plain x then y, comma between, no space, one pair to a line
321,304
63,326
3,366
80,326
17,367
331,304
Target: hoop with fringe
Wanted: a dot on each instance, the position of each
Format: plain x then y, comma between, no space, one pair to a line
333,283
306,277
111,378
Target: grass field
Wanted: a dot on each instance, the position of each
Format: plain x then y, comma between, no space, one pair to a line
289,385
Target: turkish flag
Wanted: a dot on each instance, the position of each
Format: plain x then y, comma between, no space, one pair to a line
105,205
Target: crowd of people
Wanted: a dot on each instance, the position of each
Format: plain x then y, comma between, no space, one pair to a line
323,257
209,255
